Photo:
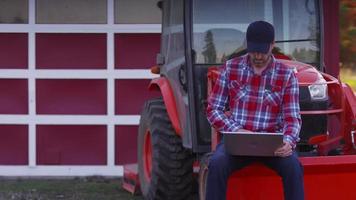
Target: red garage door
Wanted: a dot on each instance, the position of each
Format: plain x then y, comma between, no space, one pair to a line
67,72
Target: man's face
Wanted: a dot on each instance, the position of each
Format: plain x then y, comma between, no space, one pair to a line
260,60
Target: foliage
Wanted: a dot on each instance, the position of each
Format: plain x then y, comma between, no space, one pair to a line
348,76
348,33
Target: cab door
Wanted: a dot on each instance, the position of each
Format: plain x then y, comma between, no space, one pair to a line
172,61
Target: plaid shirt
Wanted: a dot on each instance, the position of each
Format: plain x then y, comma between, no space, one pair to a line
261,103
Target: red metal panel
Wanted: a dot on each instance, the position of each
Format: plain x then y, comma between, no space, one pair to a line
269,184
324,178
13,96
13,145
125,144
136,50
71,145
13,48
130,96
131,181
331,37
71,96
71,51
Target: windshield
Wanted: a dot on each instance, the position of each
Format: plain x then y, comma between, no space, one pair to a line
219,27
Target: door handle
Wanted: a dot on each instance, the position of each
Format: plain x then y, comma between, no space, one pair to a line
182,77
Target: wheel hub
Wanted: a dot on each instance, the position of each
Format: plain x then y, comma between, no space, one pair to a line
147,155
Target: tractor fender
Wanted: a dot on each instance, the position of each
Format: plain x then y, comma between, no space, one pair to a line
161,84
350,119
350,100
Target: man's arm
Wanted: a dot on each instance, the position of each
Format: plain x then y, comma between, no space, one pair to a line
291,111
217,103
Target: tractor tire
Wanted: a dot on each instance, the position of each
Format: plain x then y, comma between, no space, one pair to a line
165,167
203,175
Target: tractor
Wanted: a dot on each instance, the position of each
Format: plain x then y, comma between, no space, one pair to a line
175,138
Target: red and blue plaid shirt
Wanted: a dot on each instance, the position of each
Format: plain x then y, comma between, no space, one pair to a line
261,103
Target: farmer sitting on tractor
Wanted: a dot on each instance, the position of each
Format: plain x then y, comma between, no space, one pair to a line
262,96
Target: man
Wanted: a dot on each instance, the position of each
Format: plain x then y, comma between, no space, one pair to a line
263,96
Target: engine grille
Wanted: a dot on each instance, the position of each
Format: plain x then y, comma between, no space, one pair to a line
311,124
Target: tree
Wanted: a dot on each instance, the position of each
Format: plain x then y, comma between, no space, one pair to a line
348,33
209,52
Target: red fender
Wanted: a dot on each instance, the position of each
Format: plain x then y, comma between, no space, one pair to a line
350,99
350,118
162,84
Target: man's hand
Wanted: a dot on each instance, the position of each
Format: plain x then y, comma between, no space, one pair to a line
285,150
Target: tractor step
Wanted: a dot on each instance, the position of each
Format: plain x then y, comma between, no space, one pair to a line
131,181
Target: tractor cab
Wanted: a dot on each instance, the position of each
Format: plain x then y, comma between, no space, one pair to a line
200,34
174,136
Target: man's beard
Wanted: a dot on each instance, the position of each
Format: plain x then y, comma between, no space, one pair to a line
260,62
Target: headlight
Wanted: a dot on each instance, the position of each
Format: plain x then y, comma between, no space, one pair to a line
318,91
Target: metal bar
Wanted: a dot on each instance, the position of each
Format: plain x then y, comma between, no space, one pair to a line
321,112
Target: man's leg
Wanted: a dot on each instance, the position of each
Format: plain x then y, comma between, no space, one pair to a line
291,171
221,165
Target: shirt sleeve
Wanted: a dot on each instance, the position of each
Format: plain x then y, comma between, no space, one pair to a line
216,109
291,111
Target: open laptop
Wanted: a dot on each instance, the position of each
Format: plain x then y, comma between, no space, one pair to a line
252,143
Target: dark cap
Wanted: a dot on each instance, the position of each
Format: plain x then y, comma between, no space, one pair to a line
259,36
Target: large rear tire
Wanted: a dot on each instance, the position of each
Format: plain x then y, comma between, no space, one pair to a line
165,167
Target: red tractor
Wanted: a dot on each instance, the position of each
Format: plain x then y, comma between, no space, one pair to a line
175,138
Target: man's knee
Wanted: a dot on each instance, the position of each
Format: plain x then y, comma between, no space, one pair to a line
219,162
292,166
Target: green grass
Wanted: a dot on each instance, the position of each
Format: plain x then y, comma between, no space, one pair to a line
90,188
351,82
348,76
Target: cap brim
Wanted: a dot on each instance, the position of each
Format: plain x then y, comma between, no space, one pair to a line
253,47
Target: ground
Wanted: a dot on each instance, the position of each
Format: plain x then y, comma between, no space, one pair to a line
89,188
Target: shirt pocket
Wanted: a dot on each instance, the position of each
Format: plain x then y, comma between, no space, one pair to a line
273,99
237,91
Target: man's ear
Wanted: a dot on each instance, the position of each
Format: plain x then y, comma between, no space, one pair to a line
271,46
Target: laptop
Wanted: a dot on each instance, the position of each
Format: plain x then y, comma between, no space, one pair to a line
252,143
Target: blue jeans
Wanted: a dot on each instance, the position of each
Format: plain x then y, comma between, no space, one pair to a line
221,165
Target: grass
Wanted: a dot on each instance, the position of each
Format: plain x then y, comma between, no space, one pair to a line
348,76
89,188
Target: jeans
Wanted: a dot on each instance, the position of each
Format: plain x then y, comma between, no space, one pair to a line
221,165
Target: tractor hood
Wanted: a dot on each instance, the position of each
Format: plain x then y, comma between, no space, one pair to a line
306,74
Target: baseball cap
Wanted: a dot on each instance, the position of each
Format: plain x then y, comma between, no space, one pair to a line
259,36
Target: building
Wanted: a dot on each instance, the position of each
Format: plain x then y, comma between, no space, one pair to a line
73,78
73,83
